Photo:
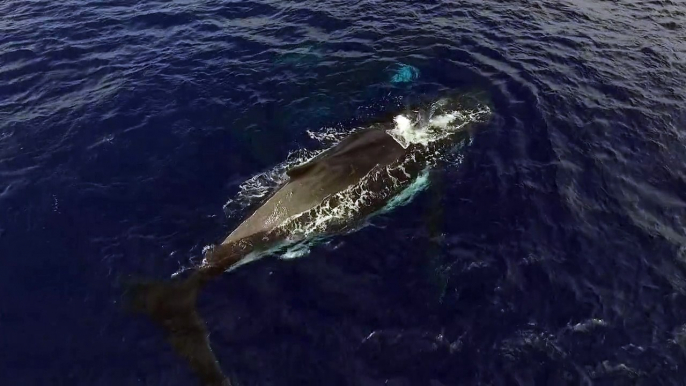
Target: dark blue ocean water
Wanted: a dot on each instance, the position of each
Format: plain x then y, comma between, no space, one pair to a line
555,253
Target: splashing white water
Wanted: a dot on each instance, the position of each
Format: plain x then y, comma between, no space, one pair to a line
329,136
406,132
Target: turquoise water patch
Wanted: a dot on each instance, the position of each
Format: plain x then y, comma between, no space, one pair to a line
404,73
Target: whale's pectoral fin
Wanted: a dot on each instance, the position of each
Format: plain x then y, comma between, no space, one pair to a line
172,305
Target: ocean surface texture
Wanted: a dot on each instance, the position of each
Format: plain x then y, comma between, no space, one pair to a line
552,251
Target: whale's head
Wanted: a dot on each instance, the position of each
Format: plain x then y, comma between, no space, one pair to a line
440,119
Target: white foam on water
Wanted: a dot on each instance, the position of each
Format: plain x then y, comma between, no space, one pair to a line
406,132
295,251
329,136
408,194
443,121
403,131
293,248
249,258
589,324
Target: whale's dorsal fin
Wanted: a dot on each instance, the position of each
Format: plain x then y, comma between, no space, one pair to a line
299,170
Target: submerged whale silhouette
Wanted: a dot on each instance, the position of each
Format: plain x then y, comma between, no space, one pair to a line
332,193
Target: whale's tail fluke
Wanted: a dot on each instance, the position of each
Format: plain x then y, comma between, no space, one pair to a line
172,306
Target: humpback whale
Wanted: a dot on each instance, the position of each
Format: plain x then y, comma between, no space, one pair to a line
332,193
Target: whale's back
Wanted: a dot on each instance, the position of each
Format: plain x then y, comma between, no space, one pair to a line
311,183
